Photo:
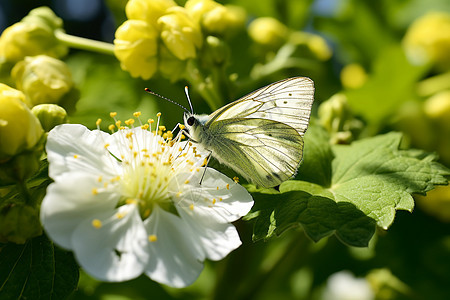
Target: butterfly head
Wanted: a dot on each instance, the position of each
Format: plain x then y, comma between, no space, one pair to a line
194,125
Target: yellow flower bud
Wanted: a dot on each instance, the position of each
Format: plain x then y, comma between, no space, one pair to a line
43,79
197,8
170,66
34,35
437,107
336,117
147,10
18,223
315,44
50,115
180,33
20,130
224,20
136,47
436,202
353,76
215,51
428,40
268,32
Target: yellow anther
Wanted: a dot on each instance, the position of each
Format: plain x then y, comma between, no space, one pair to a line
147,212
120,215
213,201
75,156
152,238
179,194
94,191
105,184
106,146
100,178
191,207
98,122
113,114
220,198
186,182
96,223
111,127
151,121
182,137
182,126
129,122
158,114
162,128
137,114
130,201
228,186
129,134
236,179
145,126
118,123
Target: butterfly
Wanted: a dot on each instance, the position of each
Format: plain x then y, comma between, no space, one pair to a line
260,136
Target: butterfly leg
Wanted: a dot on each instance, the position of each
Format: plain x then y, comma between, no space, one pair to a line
206,165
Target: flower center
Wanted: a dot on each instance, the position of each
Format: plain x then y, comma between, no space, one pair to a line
150,160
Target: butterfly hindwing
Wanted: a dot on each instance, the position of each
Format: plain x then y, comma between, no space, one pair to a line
265,152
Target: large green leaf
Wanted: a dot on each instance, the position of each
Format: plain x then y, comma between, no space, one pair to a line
347,189
36,270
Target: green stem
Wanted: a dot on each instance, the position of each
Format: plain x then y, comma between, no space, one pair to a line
205,86
23,189
84,44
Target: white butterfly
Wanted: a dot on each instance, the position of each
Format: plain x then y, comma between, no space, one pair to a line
260,136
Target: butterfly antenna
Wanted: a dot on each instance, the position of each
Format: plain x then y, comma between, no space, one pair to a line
165,98
186,90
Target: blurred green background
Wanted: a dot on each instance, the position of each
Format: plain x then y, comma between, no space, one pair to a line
386,89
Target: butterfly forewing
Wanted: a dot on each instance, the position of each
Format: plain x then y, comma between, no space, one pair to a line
288,101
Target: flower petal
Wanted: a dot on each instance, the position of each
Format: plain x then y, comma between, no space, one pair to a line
113,246
216,240
65,206
175,258
218,196
73,147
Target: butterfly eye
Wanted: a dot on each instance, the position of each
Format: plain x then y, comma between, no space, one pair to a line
191,121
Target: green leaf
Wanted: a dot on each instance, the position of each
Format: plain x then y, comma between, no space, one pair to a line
379,179
347,189
317,157
319,217
36,270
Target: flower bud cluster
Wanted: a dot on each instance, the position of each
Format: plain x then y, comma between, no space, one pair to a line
38,83
161,36
270,34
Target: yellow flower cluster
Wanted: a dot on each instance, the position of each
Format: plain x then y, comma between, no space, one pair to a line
38,81
161,36
428,40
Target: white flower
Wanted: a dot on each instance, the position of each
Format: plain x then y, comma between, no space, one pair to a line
344,286
131,203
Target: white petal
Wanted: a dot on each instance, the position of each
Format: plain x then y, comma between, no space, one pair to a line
175,259
218,196
69,201
73,147
216,240
117,250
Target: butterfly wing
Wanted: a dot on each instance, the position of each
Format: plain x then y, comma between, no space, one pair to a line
265,152
288,101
